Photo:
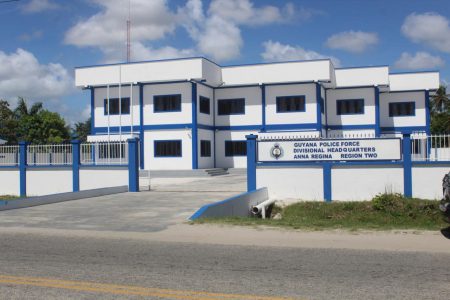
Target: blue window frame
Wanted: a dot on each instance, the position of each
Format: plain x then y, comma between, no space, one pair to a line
402,109
167,148
231,106
350,107
286,104
205,148
204,105
166,103
235,148
114,106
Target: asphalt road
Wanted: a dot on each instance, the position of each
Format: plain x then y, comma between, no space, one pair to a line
45,266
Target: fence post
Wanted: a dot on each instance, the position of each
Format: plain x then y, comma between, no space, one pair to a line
76,165
407,166
23,168
133,165
327,188
251,162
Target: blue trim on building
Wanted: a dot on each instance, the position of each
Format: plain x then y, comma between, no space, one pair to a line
278,100
391,104
238,86
133,165
290,83
75,166
352,127
406,129
407,166
327,188
92,109
263,107
318,108
141,127
339,101
155,97
194,127
377,111
427,112
165,156
214,124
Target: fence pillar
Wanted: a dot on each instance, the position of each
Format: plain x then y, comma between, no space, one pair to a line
407,166
76,165
327,189
133,165
23,168
251,162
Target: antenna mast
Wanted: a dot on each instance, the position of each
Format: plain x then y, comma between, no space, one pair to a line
129,32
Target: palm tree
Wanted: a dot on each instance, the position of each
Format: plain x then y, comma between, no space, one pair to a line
22,109
440,102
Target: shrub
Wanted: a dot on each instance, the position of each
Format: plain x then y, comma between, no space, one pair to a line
387,202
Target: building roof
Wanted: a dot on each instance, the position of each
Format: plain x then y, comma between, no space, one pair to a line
205,70
2,142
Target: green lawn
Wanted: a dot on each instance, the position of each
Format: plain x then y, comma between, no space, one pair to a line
7,197
384,212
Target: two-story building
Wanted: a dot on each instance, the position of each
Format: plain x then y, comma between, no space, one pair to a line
193,113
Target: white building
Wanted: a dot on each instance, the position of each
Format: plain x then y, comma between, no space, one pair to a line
192,113
2,142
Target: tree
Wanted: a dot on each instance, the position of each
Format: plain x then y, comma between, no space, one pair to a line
82,130
440,112
440,102
8,124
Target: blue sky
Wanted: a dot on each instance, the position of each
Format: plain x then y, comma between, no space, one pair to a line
43,40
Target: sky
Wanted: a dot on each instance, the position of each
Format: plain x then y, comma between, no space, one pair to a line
44,40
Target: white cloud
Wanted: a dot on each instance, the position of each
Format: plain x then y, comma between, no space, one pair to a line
21,74
430,29
37,6
34,35
275,51
352,41
420,60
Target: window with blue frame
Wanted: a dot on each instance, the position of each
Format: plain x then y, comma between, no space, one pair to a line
290,104
235,148
402,109
350,106
167,148
205,148
231,106
204,105
114,108
166,103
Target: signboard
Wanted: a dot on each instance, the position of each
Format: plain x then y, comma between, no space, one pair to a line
330,150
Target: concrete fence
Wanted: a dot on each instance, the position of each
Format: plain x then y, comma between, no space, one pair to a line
57,169
328,180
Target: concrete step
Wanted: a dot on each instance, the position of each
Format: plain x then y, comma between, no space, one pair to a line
217,171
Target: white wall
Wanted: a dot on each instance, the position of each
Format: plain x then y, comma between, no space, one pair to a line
9,182
205,162
414,81
308,116
418,120
183,116
47,181
363,182
168,163
167,70
212,73
368,94
427,181
100,94
253,109
362,76
291,183
98,177
207,92
278,72
223,161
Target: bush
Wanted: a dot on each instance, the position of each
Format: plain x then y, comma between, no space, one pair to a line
387,202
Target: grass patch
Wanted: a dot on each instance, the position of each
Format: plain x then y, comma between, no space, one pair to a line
384,212
7,197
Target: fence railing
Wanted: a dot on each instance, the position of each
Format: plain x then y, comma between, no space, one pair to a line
9,155
430,148
115,153
49,155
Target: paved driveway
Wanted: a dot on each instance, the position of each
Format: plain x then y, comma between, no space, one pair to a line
170,201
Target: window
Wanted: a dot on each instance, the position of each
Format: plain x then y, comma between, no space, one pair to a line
168,148
166,103
114,106
107,150
204,105
350,107
400,109
235,148
205,148
290,104
231,106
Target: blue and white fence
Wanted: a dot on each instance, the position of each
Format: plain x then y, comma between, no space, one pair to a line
414,167
34,170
